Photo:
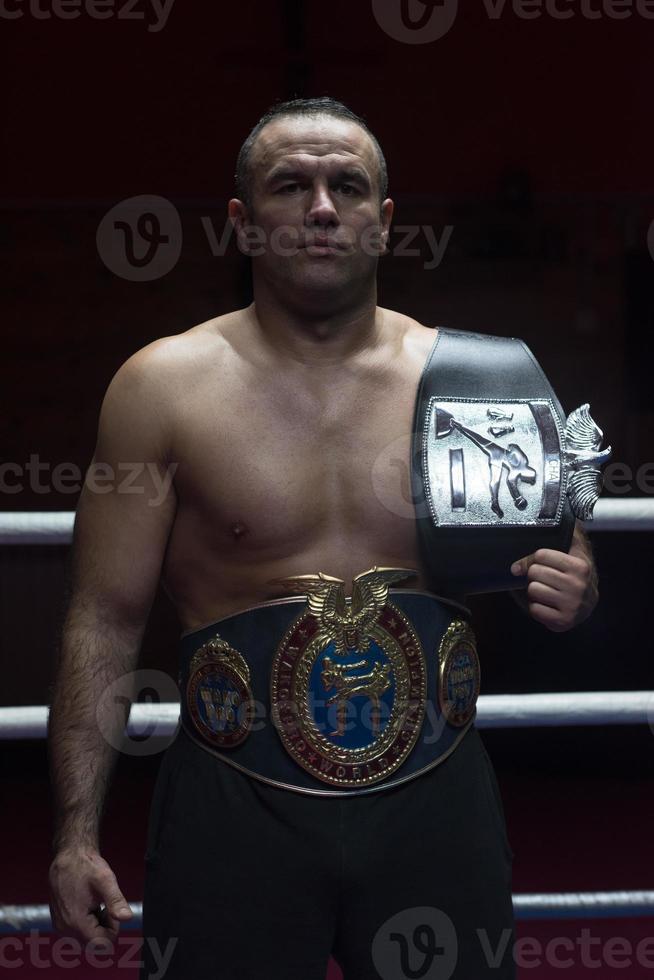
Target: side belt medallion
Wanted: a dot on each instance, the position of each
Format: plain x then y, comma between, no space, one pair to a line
458,673
348,680
218,695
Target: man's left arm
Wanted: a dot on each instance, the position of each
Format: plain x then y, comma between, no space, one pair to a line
561,589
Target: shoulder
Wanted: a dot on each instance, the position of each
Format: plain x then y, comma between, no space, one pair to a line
417,337
400,321
169,363
421,334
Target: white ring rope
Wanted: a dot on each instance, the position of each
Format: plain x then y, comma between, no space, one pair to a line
615,514
37,527
563,905
592,905
56,527
31,721
577,708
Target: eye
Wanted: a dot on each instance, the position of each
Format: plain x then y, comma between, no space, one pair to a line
348,189
288,188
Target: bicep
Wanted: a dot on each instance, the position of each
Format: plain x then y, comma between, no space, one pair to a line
127,505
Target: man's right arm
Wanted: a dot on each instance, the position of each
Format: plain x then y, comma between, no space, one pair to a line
122,525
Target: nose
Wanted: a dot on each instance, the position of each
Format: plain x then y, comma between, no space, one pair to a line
321,210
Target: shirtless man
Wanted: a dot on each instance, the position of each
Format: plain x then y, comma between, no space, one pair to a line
270,420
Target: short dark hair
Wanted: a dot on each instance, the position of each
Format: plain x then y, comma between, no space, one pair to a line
324,106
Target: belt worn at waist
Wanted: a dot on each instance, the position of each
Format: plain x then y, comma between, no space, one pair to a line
332,696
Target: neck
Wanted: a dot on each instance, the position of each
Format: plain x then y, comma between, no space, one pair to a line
315,335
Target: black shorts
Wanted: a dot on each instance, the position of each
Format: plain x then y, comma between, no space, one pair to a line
260,883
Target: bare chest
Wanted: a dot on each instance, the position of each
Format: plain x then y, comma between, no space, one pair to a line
274,463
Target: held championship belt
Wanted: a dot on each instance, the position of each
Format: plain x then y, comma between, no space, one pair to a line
329,696
496,469
336,696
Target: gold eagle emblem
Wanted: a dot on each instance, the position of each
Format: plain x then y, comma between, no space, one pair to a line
348,625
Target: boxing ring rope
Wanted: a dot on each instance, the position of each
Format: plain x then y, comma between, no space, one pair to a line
566,905
576,708
493,711
56,527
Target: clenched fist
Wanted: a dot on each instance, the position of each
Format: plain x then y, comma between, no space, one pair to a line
561,588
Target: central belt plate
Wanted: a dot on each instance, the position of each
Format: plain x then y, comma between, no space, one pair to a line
348,686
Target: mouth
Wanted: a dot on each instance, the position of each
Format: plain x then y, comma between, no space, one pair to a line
322,246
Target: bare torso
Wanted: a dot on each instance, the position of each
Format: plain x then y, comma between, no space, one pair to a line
287,468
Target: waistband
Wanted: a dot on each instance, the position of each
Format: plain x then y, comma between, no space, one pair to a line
328,697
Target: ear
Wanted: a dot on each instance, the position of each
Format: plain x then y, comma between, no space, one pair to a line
239,215
387,209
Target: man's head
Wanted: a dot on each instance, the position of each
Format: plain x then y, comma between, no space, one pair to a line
312,209
324,106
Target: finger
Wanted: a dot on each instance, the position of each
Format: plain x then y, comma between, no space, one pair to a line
522,565
538,592
554,559
549,576
100,928
549,558
106,920
115,901
547,616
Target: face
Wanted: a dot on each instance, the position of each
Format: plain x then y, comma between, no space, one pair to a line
315,224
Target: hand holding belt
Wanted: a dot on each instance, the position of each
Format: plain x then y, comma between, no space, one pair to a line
332,697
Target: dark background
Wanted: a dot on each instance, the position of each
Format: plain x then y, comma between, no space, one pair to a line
531,138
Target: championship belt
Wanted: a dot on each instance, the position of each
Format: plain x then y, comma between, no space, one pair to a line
329,695
497,471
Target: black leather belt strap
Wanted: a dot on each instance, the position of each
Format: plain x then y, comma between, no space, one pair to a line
469,559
